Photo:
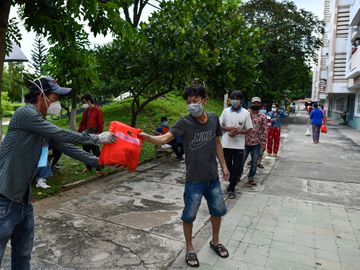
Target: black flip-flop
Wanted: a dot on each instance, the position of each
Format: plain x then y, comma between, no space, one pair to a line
219,249
231,195
192,257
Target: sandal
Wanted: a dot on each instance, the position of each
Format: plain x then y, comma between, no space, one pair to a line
252,183
231,195
192,260
260,166
220,249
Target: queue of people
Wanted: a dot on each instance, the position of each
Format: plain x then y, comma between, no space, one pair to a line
230,139
205,140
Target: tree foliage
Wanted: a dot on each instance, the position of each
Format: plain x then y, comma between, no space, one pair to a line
290,42
38,56
183,40
13,82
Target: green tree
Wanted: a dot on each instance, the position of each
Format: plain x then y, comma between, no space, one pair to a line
13,82
289,44
73,66
183,40
38,55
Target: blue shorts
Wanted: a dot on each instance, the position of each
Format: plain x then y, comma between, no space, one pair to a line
192,198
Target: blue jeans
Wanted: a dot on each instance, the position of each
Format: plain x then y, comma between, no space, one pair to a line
17,225
194,191
254,151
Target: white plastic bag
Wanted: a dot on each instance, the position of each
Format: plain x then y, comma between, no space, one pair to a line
307,133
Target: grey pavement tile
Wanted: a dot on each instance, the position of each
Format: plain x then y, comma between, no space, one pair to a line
323,232
276,264
283,237
287,219
303,259
346,243
285,226
349,267
306,221
302,241
240,251
349,257
267,222
348,236
255,255
271,211
238,235
270,217
253,214
303,229
327,255
297,266
208,256
265,227
249,266
281,245
280,254
226,264
304,250
287,212
327,264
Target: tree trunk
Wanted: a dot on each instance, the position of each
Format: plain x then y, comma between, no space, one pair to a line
72,123
4,17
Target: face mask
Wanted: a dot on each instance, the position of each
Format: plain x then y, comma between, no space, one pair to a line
54,108
164,124
273,109
255,107
85,106
235,103
195,109
263,111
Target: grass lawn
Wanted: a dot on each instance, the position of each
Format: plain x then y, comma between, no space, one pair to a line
171,106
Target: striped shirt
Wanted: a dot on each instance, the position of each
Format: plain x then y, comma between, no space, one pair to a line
21,148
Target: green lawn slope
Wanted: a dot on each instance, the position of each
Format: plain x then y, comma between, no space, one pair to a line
171,106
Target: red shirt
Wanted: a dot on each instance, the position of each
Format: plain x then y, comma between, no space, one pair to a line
92,118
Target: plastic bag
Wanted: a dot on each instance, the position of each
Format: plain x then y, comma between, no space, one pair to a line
323,129
307,133
126,150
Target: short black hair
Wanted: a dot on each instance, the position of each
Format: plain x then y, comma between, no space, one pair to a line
87,97
236,93
316,105
194,91
163,118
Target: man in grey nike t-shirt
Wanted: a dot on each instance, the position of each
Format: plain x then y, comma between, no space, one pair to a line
202,144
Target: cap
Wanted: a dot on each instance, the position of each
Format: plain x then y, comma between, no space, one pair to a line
256,99
49,84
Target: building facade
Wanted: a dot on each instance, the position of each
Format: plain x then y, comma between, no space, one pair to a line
336,81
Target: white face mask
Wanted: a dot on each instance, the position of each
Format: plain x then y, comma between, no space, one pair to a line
54,108
273,109
85,106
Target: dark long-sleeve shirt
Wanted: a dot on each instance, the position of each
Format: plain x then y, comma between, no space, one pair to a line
21,148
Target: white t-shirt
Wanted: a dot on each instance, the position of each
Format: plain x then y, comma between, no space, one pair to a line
238,119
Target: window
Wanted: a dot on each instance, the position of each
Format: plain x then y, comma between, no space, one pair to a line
357,104
340,104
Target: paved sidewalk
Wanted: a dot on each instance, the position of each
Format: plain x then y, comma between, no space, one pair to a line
269,232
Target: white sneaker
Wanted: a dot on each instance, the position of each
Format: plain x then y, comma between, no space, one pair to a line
41,183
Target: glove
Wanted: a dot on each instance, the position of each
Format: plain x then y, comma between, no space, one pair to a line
107,137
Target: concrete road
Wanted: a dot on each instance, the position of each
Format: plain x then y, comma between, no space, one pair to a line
327,172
